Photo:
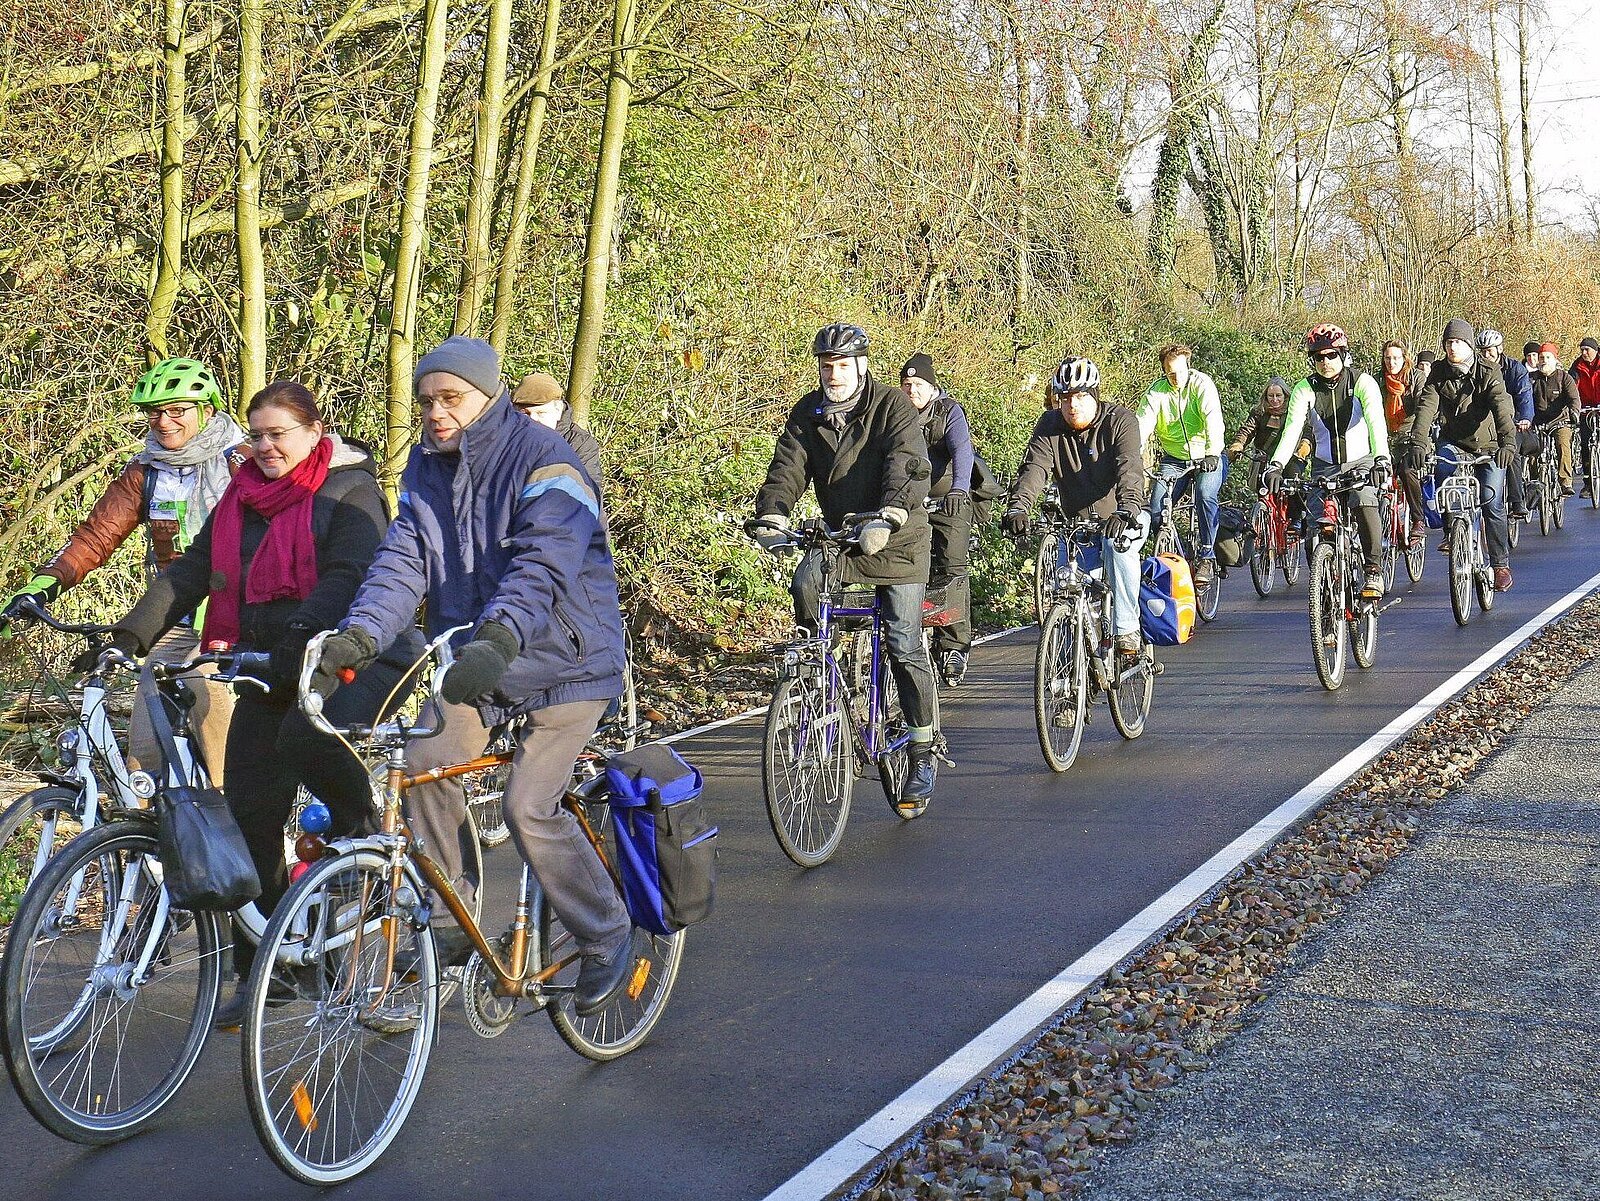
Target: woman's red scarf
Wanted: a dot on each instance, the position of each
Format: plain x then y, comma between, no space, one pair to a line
285,564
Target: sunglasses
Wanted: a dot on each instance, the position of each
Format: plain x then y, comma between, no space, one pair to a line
1328,355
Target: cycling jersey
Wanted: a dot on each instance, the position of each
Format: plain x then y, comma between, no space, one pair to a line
1343,418
1187,423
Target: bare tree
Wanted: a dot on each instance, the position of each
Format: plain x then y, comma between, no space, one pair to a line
477,265
247,207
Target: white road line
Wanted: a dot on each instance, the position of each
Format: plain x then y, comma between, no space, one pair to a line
846,1159
749,713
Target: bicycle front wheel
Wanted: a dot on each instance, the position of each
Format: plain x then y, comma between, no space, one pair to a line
1330,633
1060,686
807,767
108,990
1459,541
1044,573
1207,597
33,828
1261,564
342,1011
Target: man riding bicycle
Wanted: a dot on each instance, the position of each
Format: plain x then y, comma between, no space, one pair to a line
1093,451
1183,410
499,529
859,443
1468,395
1555,404
1342,414
1491,345
1585,372
190,454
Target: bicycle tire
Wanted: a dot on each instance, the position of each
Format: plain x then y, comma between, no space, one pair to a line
1513,531
1044,571
1483,581
1547,503
32,829
1329,630
1416,550
305,1055
116,871
1130,699
1459,539
1559,506
1292,555
1261,564
485,794
1060,686
1363,620
807,744
627,1020
1592,470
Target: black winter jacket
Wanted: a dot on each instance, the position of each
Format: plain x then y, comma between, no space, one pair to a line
867,466
1555,398
1099,468
584,445
1473,406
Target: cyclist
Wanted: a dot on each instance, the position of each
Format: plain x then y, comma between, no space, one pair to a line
859,443
1555,404
278,559
1585,372
1468,396
500,530
1491,345
1341,411
1530,357
1402,388
191,450
1184,412
1092,450
950,452
540,396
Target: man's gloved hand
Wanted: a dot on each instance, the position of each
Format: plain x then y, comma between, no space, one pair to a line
287,656
1381,471
1118,524
1210,463
1505,456
120,640
1272,478
349,650
480,664
1418,454
43,588
954,503
768,538
1014,521
873,535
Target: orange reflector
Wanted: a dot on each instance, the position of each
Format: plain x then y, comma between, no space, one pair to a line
641,974
302,1107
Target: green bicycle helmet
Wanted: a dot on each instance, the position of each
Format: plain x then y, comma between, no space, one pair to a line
177,381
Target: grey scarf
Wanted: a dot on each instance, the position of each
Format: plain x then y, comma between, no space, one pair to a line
207,451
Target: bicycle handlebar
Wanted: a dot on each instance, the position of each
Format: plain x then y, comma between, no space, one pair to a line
31,608
814,531
312,701
233,667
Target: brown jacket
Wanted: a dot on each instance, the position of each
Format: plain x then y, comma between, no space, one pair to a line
115,515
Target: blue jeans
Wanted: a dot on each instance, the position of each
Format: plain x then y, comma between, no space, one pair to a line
1205,506
1125,573
1492,491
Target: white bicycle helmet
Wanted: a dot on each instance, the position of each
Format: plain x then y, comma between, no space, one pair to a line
1076,375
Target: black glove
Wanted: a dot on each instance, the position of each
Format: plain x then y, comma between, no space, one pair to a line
480,664
953,504
120,640
348,650
1210,463
1272,478
1014,521
1505,456
1118,524
287,656
1418,454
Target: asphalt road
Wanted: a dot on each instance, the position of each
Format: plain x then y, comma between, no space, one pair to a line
811,998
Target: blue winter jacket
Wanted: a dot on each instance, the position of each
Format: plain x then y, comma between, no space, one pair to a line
1518,385
505,529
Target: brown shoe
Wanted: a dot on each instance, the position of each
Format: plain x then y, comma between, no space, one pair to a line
1502,579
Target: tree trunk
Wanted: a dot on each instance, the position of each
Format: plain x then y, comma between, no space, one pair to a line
408,252
1502,129
1022,264
505,288
1172,161
169,258
477,267
602,214
1526,85
247,208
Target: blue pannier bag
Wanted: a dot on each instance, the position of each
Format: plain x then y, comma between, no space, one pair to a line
666,850
1430,503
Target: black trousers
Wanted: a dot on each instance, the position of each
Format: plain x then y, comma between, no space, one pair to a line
952,556
272,750
1527,444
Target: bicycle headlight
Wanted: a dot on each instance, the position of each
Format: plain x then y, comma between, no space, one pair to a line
791,657
67,743
142,784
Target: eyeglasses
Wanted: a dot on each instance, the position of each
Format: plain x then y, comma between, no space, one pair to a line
257,437
1328,355
170,412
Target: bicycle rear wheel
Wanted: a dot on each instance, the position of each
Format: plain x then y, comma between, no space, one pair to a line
1459,539
337,1033
628,1020
1363,620
1060,686
1483,579
1330,633
1261,558
485,791
1292,554
807,766
108,990
1132,691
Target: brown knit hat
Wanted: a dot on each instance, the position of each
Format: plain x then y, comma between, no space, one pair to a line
537,389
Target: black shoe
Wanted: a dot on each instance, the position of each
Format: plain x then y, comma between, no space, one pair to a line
230,1014
922,770
601,978
452,944
954,668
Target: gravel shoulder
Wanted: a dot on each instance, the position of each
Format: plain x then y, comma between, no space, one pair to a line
1441,1040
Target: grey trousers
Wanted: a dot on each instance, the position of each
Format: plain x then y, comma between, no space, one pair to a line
550,839
213,709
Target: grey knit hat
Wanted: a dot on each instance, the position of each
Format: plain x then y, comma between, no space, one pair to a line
1456,327
471,359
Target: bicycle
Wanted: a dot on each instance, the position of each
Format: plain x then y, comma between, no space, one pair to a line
1274,537
1460,504
835,711
1403,537
1589,441
1177,534
344,999
1341,618
1047,556
1077,657
1544,489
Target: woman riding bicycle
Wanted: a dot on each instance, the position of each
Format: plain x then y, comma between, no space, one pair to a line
1342,412
1092,449
1402,389
279,559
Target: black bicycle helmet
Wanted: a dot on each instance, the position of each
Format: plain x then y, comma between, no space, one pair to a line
839,340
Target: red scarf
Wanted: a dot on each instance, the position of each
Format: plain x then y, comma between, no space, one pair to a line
285,564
